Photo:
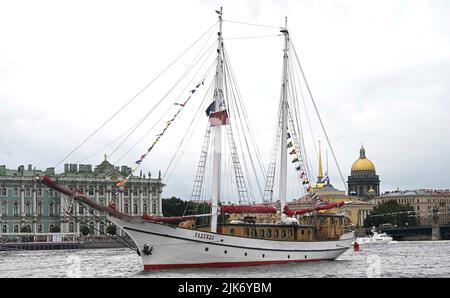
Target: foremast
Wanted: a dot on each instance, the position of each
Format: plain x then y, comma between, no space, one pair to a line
217,130
284,119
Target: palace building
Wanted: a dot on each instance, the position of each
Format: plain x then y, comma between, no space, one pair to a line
25,205
363,180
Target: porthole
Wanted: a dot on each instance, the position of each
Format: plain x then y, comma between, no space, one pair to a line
306,256
263,255
206,248
245,254
225,251
289,256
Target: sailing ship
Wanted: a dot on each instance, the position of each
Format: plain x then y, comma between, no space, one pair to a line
259,233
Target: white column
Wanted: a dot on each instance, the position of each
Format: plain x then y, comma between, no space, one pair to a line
141,207
34,209
22,201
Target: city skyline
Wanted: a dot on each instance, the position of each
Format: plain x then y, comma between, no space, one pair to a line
379,74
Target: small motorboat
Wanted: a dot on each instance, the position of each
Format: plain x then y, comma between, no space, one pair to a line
375,238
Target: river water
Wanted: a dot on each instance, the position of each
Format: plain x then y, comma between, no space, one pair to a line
395,259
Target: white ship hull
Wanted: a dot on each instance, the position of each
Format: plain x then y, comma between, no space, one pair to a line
173,247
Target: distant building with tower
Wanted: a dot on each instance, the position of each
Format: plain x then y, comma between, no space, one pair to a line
363,180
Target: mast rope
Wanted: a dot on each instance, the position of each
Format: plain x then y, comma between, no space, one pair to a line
253,24
135,96
318,116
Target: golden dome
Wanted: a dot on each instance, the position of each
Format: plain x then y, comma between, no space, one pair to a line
363,163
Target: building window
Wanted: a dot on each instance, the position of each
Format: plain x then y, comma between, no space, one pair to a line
50,228
51,209
4,229
71,227
125,192
125,208
3,191
16,192
16,228
145,208
50,192
28,208
39,208
135,192
39,228
5,208
102,228
16,209
80,210
91,228
101,192
28,192
154,208
39,192
91,191
135,209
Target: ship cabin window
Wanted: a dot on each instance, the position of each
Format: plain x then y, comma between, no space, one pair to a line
276,233
261,233
254,233
269,233
291,233
246,232
232,231
283,234
303,232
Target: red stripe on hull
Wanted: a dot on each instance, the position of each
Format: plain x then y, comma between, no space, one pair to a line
225,264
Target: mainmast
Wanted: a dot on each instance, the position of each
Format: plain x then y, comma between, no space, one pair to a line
217,130
284,113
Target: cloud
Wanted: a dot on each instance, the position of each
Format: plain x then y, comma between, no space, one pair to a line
379,72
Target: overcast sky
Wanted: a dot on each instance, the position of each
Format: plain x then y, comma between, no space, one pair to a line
379,71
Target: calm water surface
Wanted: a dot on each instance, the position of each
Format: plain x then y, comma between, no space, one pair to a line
396,259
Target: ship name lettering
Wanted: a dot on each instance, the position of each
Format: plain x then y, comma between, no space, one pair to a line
203,236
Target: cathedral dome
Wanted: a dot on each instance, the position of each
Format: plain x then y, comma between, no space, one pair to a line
363,163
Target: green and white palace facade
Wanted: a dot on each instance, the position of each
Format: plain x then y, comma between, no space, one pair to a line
26,206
